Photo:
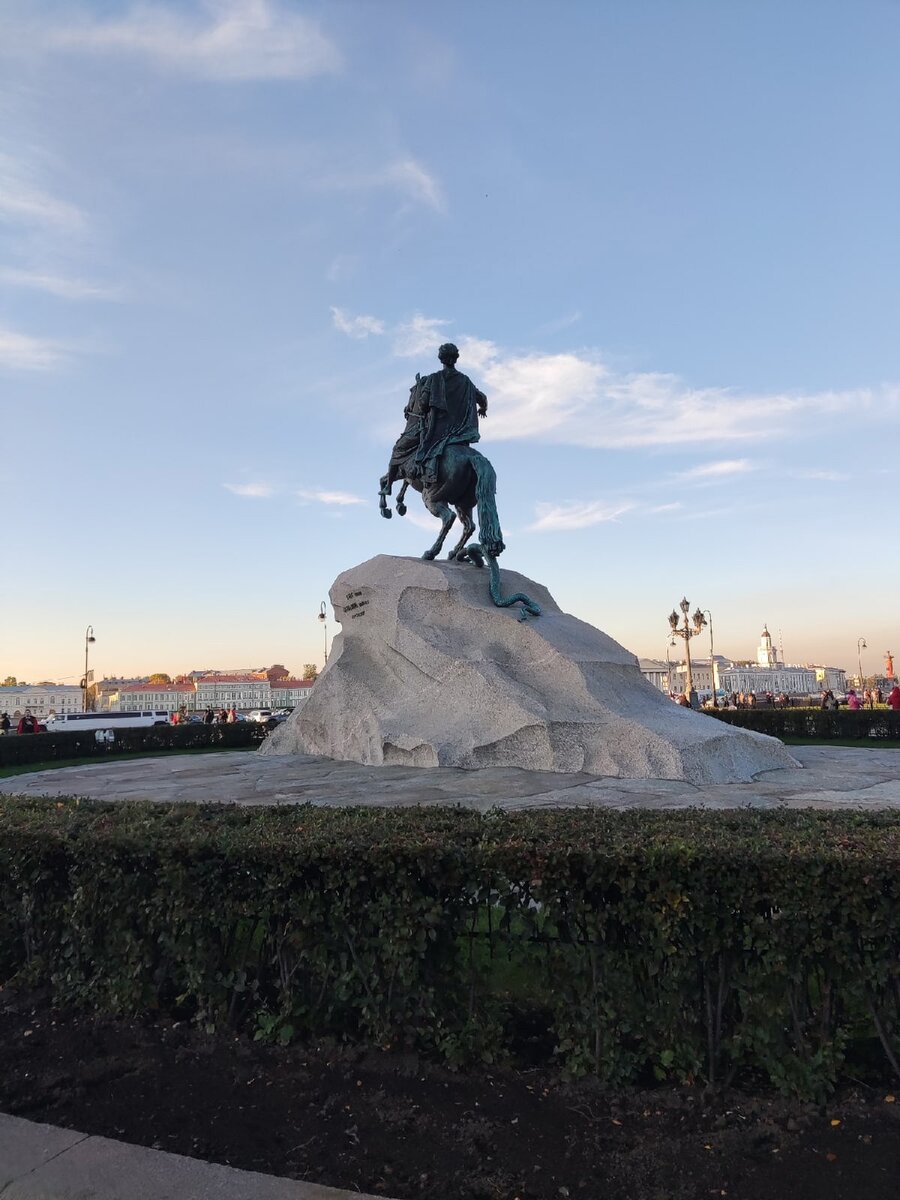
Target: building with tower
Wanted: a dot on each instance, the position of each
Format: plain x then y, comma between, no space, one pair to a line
769,674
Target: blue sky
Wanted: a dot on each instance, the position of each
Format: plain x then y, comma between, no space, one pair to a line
663,235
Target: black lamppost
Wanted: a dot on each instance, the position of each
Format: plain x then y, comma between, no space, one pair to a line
670,642
686,632
712,657
324,619
860,646
89,639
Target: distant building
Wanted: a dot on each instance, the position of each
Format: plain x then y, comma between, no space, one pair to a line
704,675
149,697
657,672
41,698
769,675
104,690
288,693
248,689
831,679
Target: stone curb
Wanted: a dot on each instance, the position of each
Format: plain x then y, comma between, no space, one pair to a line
44,1162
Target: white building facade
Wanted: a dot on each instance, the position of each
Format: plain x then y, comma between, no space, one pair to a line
41,699
770,675
245,691
288,693
152,697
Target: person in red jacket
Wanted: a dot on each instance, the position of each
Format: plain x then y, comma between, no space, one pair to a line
28,723
894,697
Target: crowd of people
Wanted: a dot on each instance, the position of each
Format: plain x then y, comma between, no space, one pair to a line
28,723
868,698
224,716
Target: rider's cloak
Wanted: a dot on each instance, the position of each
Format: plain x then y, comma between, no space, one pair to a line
452,418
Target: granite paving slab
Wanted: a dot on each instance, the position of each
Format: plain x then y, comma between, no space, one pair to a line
829,777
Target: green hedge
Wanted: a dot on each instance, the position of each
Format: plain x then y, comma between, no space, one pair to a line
683,945
49,747
814,722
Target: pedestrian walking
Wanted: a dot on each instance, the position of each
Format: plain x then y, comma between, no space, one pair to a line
5,724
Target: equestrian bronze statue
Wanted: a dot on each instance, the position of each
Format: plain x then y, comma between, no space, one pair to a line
434,456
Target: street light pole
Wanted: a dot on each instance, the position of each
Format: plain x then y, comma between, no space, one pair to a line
860,646
324,619
712,660
89,639
686,632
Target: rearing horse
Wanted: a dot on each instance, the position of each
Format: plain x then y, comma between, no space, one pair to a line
464,480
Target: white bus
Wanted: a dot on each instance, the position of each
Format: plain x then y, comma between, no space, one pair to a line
88,721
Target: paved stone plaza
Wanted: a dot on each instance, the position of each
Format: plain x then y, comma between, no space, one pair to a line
867,778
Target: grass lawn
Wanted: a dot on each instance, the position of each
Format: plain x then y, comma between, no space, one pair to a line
29,768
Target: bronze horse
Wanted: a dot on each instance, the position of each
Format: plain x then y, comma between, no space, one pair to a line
465,480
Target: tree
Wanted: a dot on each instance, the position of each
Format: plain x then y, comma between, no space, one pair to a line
160,677
309,671
10,681
277,671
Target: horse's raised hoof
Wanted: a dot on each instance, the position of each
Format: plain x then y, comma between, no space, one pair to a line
386,512
401,509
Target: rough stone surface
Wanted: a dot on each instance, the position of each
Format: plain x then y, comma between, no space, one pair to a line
429,673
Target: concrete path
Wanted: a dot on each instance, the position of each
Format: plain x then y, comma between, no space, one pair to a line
837,777
43,1162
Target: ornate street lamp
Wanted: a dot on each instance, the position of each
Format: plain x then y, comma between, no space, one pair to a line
860,646
686,632
324,619
89,640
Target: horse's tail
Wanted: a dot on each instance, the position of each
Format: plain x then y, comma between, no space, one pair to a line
490,535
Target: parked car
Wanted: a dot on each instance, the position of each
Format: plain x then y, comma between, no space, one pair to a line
260,715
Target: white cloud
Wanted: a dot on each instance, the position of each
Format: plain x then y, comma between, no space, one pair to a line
251,491
576,515
419,516
561,323
536,395
576,399
405,175
355,327
718,470
235,40
24,202
418,336
825,476
58,285
332,498
21,352
410,177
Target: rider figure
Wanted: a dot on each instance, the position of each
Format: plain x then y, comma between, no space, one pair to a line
407,444
451,405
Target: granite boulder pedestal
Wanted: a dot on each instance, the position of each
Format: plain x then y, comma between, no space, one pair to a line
427,672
